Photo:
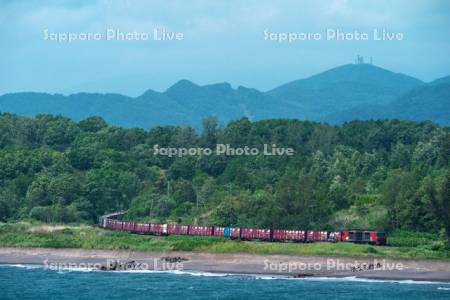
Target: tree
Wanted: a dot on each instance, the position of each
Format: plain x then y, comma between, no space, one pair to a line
183,167
5,212
57,131
209,134
41,213
226,213
183,192
438,193
84,151
337,193
92,124
400,195
184,137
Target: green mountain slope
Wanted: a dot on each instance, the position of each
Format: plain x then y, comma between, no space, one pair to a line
427,102
344,93
342,88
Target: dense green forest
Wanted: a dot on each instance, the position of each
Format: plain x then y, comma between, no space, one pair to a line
373,174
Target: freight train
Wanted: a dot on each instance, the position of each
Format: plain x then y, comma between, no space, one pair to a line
112,222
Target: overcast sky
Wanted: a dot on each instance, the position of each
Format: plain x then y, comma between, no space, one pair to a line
223,42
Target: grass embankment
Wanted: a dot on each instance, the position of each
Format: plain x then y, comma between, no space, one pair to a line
403,244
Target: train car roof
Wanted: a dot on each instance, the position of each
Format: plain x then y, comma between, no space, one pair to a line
115,214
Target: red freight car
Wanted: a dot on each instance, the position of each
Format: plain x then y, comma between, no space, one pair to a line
289,235
279,235
158,229
316,236
200,230
142,228
255,234
295,235
177,229
117,225
128,226
263,234
219,231
231,232
334,236
235,232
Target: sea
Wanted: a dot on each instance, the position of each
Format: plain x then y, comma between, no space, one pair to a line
37,282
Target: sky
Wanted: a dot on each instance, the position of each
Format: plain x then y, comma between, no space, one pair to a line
223,41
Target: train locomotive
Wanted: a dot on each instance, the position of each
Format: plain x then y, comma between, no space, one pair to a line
112,222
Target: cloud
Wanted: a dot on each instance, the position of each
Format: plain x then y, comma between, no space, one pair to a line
223,40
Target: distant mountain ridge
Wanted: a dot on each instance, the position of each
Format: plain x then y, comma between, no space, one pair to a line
343,88
430,101
355,91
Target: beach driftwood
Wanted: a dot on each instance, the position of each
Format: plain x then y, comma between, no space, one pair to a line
173,259
302,275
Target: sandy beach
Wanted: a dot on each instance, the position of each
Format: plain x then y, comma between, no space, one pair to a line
277,265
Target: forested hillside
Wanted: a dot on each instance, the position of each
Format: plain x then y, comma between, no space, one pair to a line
335,91
427,102
378,174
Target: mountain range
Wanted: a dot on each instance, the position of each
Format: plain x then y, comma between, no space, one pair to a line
353,91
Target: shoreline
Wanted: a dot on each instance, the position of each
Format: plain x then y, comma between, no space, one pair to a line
295,266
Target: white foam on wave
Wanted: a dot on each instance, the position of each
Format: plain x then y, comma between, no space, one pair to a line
444,288
23,266
62,269
204,274
280,277
175,272
71,269
370,280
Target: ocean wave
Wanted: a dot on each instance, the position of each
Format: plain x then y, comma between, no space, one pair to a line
175,272
283,277
23,266
75,269
70,269
199,273
61,269
250,276
371,280
203,274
